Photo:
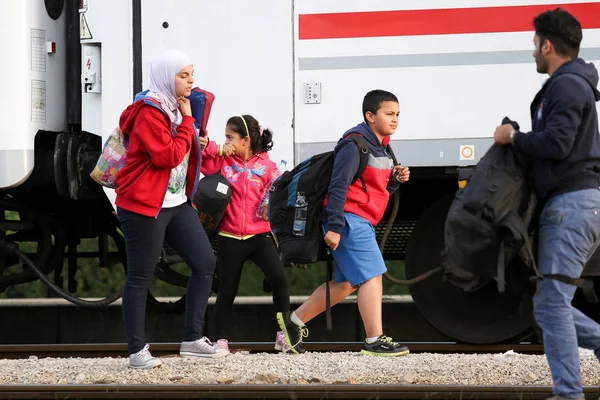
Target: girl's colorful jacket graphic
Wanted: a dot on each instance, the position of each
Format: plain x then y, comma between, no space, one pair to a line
248,181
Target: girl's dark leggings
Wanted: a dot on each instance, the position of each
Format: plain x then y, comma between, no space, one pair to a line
233,253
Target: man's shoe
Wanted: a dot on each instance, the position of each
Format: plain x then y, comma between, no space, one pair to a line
384,346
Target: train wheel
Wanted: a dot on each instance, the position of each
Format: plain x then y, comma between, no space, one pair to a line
483,316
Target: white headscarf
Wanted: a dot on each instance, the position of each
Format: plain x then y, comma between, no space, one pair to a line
163,70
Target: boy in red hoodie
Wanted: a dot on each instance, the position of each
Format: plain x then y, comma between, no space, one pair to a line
155,188
351,213
243,236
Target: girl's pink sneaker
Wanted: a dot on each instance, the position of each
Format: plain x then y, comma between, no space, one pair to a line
280,343
224,344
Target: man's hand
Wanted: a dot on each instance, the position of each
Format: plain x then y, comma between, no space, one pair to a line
332,239
400,173
502,134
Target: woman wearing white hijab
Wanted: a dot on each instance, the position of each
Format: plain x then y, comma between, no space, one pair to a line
155,189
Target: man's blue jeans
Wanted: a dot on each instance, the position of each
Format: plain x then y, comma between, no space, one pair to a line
569,234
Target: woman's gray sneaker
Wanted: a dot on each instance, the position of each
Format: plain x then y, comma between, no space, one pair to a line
202,348
143,359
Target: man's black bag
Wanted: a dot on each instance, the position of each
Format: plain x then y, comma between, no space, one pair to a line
296,201
488,222
211,199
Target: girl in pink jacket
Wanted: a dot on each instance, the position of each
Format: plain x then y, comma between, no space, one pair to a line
243,236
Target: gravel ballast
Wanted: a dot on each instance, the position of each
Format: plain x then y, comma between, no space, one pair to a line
311,368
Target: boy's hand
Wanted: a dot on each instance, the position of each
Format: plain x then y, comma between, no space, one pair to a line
332,239
401,174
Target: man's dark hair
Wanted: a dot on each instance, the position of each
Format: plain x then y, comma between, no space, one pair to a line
561,29
373,99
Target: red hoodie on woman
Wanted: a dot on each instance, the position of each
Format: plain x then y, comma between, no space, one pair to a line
151,155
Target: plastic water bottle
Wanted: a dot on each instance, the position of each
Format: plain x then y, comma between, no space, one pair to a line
263,207
300,215
281,168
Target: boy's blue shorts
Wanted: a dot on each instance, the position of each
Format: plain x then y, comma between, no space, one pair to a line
357,258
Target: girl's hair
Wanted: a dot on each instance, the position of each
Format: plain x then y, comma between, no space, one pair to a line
261,139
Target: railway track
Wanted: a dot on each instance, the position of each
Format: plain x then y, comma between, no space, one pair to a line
341,391
164,349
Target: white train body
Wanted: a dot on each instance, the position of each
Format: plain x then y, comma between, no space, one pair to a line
301,67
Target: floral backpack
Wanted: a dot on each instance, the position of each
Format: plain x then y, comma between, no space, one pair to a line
111,160
114,153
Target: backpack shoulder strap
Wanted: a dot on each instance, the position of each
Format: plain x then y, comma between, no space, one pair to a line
517,227
388,148
586,285
513,222
150,102
363,152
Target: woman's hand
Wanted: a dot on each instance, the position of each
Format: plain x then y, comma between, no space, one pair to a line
184,106
203,142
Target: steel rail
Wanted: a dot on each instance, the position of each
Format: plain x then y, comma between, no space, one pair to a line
162,349
310,391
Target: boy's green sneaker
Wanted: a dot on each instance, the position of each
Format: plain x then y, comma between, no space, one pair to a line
384,346
292,332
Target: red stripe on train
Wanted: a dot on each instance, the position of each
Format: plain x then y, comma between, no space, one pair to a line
436,22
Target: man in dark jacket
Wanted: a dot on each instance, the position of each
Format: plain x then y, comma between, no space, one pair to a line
564,148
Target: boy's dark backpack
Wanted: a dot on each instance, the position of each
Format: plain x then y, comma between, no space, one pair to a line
296,209
488,222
